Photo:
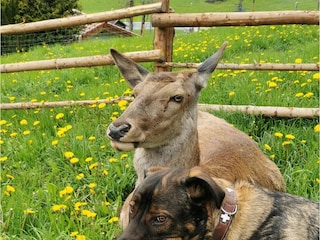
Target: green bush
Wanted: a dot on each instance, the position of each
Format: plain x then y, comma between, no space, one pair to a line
24,11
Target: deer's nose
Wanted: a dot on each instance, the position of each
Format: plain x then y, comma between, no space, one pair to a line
117,132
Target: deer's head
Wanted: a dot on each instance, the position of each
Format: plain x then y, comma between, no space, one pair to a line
164,106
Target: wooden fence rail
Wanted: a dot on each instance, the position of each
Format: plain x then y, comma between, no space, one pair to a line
165,20
267,111
91,61
80,20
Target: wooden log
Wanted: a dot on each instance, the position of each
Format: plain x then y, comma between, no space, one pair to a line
31,105
234,19
267,111
99,60
163,40
281,112
254,66
80,20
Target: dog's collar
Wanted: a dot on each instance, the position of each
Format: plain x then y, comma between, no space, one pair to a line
228,209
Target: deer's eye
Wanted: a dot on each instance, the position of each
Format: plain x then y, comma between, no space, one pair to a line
159,220
177,98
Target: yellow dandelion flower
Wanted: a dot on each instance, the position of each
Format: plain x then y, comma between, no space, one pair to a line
92,185
3,159
23,122
80,137
54,142
303,141
88,159
106,203
113,160
80,176
122,103
231,93
35,123
93,165
10,176
82,94
317,128
77,205
127,166
267,147
2,122
272,84
290,136
318,180
69,189
298,60
114,219
102,147
28,211
62,192
286,143
80,237
59,207
316,76
300,94
68,155
88,213
10,188
105,172
102,105
59,115
278,134
74,160
309,95
1,142
91,138
123,156
272,156
27,132
73,234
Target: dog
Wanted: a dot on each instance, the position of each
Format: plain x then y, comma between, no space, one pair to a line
189,204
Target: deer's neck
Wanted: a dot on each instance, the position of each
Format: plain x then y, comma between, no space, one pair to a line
183,152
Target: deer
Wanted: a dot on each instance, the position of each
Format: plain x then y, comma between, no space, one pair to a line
165,128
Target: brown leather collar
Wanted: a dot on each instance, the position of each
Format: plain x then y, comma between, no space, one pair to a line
228,209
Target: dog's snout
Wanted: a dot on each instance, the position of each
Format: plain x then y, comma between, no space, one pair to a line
117,132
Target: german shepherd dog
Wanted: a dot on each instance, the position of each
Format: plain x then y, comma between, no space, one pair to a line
189,204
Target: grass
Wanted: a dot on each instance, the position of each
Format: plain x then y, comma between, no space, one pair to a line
60,179
183,6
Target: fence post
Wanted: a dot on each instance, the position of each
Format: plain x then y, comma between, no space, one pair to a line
163,40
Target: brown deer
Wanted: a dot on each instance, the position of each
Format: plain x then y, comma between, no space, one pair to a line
165,128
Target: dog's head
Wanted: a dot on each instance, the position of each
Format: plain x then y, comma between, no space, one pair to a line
173,204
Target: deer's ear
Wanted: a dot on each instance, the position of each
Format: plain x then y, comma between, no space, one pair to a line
202,189
131,71
209,65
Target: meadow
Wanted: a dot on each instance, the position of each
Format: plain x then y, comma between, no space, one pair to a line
60,179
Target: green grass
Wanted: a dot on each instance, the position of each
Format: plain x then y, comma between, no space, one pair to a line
194,6
38,174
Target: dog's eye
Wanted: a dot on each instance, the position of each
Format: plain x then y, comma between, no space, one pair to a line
159,220
177,98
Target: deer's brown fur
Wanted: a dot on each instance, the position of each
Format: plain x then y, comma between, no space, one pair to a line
165,128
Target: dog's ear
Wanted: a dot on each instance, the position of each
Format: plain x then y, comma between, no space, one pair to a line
201,188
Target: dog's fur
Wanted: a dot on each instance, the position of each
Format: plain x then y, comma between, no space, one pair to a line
184,204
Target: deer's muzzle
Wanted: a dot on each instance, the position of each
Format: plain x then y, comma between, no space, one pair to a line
116,133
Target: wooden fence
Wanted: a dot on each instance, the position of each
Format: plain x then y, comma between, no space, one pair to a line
164,22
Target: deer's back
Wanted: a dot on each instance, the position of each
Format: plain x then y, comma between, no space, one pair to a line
231,154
